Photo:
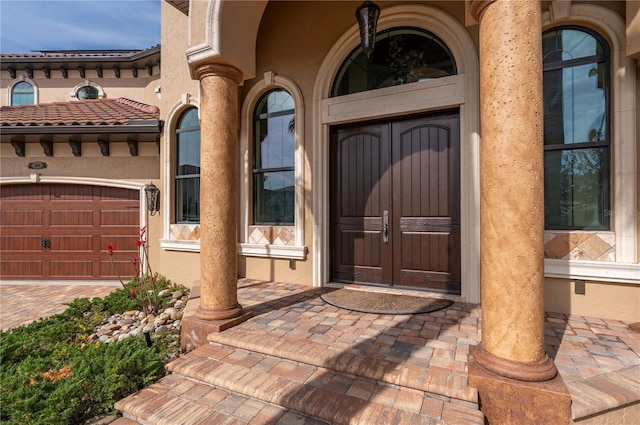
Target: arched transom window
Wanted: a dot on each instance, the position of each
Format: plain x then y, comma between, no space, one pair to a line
401,56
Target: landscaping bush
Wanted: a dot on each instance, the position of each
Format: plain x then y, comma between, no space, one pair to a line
52,374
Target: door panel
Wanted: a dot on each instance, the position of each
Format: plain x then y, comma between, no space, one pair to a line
361,192
410,169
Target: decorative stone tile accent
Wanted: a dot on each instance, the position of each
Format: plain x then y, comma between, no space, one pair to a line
184,232
272,235
599,246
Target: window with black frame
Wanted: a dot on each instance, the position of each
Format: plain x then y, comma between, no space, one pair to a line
187,171
274,159
576,129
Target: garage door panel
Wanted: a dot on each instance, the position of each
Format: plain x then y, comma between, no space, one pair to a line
20,243
125,267
71,193
72,244
120,243
31,193
72,218
71,269
122,217
117,194
20,218
17,269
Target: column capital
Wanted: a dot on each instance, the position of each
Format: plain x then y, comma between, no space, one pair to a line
219,70
478,6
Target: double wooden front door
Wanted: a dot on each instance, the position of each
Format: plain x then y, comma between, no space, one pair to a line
395,203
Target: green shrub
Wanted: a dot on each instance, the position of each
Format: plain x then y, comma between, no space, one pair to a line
51,373
77,382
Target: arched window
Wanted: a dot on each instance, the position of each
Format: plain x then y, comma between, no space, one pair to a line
22,94
576,129
187,171
87,92
274,159
401,56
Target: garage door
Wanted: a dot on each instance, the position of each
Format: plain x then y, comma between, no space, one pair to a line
62,231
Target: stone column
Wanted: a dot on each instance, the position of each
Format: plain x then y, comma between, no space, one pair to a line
511,211
218,192
218,308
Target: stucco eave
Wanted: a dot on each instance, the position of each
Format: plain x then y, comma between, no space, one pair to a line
151,127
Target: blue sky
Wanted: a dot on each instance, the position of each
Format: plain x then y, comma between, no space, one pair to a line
33,25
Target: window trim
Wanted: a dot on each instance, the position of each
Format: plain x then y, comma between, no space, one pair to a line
298,250
570,63
15,82
622,120
74,91
167,156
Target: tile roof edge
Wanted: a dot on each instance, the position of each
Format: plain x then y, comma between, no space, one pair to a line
152,109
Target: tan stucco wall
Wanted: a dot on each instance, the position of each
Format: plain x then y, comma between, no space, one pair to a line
180,267
633,28
601,299
119,165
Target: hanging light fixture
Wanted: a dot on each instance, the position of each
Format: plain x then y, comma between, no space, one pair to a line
367,15
152,193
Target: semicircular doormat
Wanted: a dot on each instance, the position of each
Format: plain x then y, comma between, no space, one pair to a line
381,303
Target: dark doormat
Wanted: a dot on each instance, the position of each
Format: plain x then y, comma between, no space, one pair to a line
381,303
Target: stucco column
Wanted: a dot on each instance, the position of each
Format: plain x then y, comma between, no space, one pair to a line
512,183
218,192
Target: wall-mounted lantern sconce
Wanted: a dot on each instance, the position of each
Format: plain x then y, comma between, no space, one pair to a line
367,15
152,194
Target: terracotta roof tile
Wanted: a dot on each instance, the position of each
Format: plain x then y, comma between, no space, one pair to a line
87,112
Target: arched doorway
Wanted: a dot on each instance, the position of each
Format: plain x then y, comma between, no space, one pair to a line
395,103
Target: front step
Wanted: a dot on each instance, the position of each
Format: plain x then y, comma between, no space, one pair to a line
432,379
177,400
311,392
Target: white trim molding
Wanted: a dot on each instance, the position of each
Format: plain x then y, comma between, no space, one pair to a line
22,79
461,91
273,251
592,271
74,91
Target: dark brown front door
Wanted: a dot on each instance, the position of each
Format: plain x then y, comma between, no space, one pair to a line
62,231
395,203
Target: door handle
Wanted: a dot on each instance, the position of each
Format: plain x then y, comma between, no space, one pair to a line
385,226
46,243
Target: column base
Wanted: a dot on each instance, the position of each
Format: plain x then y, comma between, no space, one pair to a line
508,401
194,330
543,370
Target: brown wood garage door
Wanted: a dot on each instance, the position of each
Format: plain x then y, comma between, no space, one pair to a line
62,231
395,203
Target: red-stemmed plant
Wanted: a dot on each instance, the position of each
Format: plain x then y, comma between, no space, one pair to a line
142,287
